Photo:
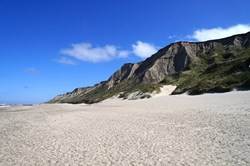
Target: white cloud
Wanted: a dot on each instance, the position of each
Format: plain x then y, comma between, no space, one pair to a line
86,52
123,54
143,49
219,32
172,36
65,60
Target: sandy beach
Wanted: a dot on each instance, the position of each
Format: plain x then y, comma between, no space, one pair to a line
211,129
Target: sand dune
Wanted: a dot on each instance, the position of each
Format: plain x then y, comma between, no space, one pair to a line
168,130
165,91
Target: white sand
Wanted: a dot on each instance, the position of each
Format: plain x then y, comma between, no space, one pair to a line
165,91
169,130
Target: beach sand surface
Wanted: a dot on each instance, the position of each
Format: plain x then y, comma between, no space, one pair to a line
211,129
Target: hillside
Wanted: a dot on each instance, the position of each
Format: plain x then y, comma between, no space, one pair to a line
194,67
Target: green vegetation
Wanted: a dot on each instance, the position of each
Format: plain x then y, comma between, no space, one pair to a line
124,89
93,96
128,87
218,72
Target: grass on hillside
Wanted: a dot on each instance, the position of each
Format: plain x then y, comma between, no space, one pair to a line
220,73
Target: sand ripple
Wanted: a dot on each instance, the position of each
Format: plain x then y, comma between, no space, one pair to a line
174,130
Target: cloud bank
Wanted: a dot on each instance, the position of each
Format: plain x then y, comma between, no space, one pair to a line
143,49
86,52
219,32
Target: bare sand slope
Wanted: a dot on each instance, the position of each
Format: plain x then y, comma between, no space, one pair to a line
167,130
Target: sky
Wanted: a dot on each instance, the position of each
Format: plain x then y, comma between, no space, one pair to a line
50,47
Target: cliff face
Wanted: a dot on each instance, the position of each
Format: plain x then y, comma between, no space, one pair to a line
170,60
124,73
174,58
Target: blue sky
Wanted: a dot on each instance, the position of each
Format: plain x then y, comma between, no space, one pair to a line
49,47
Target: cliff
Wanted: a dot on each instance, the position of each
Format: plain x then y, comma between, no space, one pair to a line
195,67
